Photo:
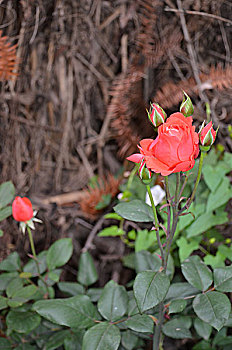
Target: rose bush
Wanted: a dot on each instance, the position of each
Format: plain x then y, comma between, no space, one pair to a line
174,149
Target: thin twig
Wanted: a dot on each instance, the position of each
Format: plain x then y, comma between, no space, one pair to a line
198,13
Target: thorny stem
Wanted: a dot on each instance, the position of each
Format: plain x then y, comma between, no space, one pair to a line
168,203
189,202
35,257
157,330
172,208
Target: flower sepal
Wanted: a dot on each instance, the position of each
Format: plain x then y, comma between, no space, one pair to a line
30,223
204,148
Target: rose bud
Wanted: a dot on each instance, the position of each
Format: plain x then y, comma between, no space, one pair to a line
144,173
186,106
22,209
156,115
207,135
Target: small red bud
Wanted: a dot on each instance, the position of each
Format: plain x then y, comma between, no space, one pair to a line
186,107
207,135
156,115
145,174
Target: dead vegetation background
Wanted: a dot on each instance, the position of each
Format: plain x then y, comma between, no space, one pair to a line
86,71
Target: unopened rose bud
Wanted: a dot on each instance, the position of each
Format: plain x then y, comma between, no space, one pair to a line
186,107
144,173
207,135
156,115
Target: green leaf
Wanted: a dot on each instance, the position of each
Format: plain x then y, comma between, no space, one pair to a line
75,312
5,344
6,278
186,248
22,322
177,305
223,279
32,267
94,293
5,213
113,302
71,288
150,288
203,345
203,329
144,260
56,340
59,253
3,302
22,295
7,192
197,273
132,305
73,342
113,216
136,210
111,231
221,196
13,286
129,340
206,221
11,263
1,233
181,288
215,261
178,328
140,323
144,240
103,336
87,273
213,308
213,175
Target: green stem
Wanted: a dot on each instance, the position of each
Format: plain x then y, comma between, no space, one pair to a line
158,327
189,202
35,257
168,203
157,330
156,224
177,189
153,207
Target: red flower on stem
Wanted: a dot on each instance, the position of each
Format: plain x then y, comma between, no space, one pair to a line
22,209
174,149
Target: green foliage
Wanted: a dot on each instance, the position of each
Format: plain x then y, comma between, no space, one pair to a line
136,210
74,312
178,328
87,273
150,288
7,192
213,308
59,253
197,273
103,336
113,301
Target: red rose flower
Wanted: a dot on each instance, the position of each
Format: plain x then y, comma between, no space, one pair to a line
174,149
22,209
